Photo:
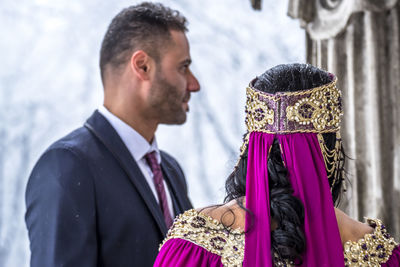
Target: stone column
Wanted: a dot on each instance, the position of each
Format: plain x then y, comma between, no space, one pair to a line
358,40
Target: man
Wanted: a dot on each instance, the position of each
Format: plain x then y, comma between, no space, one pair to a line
104,195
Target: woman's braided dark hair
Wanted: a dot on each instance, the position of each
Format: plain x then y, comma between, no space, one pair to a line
287,211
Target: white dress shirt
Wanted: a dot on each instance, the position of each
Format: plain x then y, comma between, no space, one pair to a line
138,147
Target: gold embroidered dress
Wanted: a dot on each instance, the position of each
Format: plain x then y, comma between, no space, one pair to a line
196,239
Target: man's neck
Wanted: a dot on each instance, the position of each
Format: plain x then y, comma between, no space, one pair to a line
143,126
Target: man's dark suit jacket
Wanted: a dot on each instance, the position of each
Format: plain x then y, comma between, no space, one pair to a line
88,203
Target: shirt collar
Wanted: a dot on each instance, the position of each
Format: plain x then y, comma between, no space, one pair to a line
136,144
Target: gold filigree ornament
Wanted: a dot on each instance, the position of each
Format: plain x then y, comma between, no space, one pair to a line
258,112
373,250
322,108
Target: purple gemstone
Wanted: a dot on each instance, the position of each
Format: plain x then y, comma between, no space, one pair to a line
198,222
214,242
260,110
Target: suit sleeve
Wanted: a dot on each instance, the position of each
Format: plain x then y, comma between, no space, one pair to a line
61,212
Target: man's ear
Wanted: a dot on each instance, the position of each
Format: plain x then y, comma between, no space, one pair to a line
141,64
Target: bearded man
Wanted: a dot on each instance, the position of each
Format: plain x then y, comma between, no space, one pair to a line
105,195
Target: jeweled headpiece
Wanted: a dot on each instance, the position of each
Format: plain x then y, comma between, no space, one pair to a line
316,110
313,110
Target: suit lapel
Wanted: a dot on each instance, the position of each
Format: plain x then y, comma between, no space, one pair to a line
106,134
176,188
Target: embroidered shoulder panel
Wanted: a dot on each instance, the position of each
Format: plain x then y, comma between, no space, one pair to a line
210,234
372,250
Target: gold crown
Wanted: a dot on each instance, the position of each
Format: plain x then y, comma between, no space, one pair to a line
317,110
313,110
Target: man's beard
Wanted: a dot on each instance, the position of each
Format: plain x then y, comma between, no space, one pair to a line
167,102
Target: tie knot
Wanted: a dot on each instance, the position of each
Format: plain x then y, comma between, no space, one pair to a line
152,160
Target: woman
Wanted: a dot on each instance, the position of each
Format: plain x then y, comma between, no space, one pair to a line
279,209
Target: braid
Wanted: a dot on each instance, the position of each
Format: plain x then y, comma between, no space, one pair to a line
287,240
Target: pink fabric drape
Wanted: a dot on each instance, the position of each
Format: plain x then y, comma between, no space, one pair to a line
394,260
178,253
303,159
257,250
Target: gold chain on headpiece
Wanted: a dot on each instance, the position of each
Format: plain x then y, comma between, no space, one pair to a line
331,157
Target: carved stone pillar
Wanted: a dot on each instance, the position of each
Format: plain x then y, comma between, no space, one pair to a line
359,41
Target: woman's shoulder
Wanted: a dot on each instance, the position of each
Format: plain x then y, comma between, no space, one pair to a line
202,225
350,229
230,215
365,242
199,228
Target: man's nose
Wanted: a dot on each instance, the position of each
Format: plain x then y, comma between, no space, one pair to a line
193,84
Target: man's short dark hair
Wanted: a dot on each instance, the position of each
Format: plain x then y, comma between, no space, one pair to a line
145,26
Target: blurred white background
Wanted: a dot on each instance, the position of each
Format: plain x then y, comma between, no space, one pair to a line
50,84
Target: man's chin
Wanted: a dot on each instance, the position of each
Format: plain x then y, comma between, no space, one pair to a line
176,120
186,106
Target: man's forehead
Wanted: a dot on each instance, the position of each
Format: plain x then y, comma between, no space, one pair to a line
179,38
178,47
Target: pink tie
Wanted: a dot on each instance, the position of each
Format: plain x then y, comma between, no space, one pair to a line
159,184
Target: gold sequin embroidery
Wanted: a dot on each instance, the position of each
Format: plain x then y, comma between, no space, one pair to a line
372,250
210,234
